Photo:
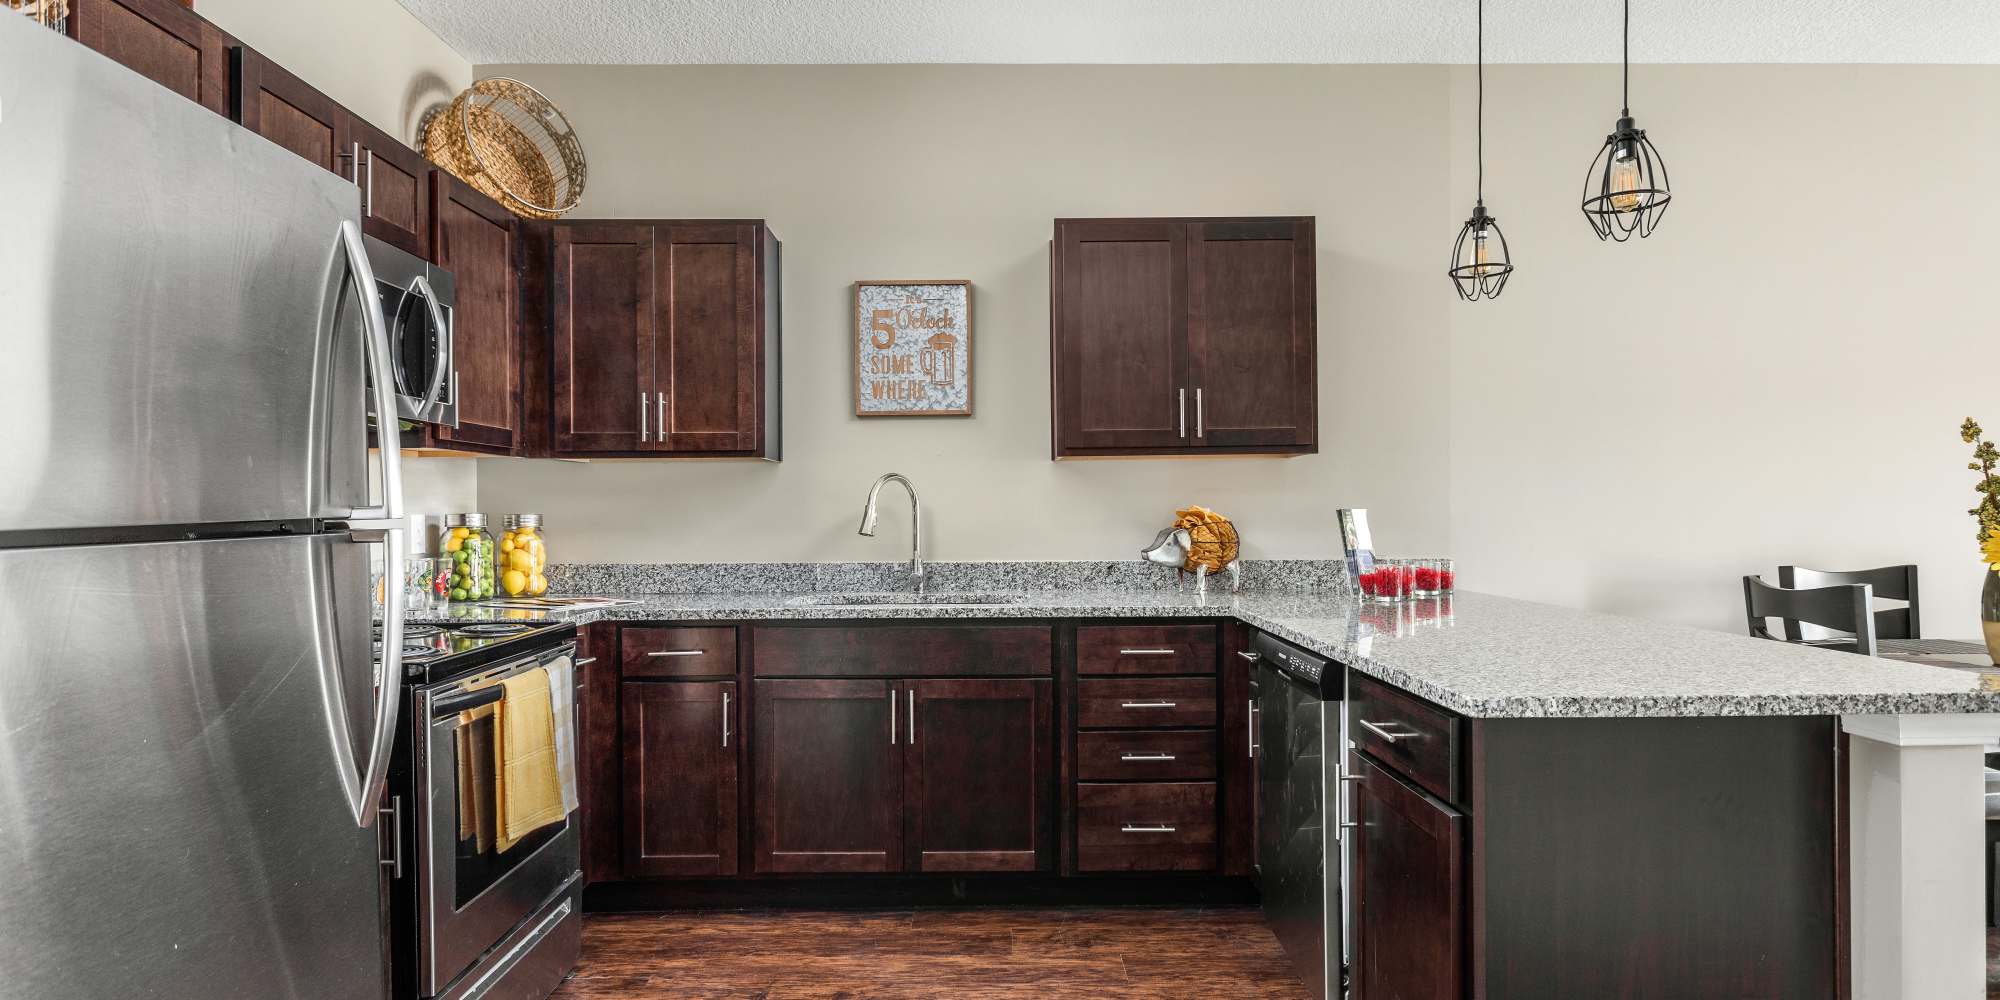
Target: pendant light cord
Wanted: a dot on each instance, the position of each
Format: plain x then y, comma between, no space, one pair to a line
1480,114
1628,59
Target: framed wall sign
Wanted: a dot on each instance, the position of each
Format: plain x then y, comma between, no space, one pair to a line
912,348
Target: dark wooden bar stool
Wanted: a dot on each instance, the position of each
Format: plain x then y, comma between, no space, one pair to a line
1896,583
1845,607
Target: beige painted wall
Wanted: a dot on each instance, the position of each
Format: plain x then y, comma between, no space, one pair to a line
381,64
957,172
370,55
1776,376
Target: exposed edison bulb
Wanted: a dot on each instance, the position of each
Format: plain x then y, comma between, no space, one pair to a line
1626,178
1482,262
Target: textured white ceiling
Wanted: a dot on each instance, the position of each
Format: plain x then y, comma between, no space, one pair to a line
1209,31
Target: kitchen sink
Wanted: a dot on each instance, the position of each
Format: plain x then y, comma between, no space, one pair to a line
966,600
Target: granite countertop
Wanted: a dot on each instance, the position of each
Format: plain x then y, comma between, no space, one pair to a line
1476,654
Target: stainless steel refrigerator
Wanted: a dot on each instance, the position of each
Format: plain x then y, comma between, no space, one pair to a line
192,735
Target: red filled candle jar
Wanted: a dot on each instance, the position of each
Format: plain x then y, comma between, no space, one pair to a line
1388,580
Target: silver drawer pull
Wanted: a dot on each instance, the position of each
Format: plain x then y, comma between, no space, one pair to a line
1133,828
1150,704
586,661
1147,652
1384,733
678,652
1146,756
1246,654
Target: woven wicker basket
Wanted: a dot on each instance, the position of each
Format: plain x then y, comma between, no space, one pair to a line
49,12
504,138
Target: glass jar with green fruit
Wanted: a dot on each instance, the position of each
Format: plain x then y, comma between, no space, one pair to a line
524,560
471,551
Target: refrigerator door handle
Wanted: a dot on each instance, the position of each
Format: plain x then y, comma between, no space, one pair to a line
362,782
383,376
421,288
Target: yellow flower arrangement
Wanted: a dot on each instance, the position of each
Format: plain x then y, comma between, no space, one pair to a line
1990,548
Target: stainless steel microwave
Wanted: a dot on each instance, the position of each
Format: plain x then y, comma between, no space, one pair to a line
417,300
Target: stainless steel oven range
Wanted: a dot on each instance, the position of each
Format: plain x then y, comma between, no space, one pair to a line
417,301
470,920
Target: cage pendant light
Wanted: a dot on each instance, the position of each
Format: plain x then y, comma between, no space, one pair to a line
1626,190
1480,263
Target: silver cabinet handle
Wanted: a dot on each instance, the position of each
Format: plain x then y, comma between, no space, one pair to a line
1350,826
1197,412
1181,395
1135,828
642,416
678,652
1148,652
913,717
1246,654
394,862
586,661
1147,704
660,424
1250,727
368,196
1146,757
1384,733
725,718
892,716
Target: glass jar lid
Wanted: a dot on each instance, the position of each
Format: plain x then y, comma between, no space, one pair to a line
522,521
465,521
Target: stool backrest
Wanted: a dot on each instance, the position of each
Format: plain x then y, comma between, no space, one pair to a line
1844,607
1897,583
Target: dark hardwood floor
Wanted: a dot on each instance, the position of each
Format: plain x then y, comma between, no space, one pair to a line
1155,954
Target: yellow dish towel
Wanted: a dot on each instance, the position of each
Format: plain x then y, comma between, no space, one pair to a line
528,792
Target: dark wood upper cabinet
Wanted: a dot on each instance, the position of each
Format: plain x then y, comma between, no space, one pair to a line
1251,334
161,40
271,102
603,381
666,339
395,186
681,742
1183,337
829,788
475,239
979,775
1121,363
1409,889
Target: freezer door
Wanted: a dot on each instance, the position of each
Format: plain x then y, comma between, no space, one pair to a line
181,325
180,727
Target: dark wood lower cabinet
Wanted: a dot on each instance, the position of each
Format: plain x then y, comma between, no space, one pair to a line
829,788
680,778
979,775
1409,890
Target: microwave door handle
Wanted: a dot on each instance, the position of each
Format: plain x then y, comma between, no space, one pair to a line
421,288
376,351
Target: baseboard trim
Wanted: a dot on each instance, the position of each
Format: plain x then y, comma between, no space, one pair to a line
889,892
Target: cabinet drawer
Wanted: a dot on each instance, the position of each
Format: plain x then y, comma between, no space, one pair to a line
1413,736
1152,827
1146,756
1145,649
677,652
1145,702
903,651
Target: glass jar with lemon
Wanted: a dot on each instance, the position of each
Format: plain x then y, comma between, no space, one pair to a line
524,559
470,549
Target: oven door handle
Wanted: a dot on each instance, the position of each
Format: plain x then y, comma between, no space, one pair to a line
465,701
420,286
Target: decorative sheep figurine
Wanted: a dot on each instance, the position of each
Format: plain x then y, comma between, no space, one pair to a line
1200,542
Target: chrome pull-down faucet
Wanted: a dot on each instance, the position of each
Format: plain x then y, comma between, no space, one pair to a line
868,514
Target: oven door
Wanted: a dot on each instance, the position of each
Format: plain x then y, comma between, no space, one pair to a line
472,896
417,300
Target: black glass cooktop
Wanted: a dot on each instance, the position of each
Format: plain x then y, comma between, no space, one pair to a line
440,648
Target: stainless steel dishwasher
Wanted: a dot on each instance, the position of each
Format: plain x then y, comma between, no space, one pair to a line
1296,736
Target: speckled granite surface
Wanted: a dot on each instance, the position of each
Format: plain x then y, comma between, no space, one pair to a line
1480,655
1259,575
